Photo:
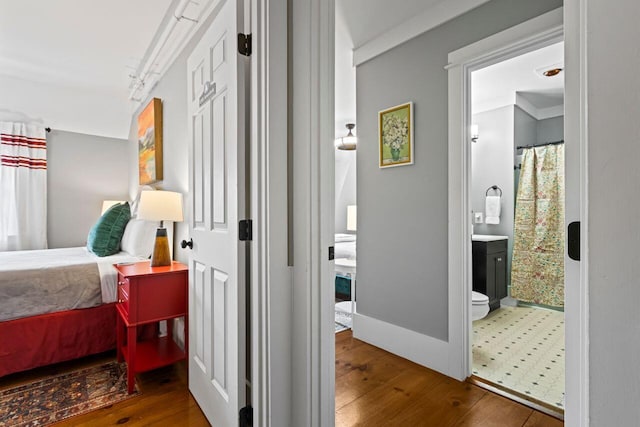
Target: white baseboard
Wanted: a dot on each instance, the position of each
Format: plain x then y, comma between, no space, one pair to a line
421,349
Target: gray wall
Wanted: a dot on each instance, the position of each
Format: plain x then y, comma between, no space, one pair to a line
402,211
525,131
345,187
614,211
492,164
83,170
172,90
550,130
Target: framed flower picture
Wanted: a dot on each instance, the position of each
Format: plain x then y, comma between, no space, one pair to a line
395,133
150,143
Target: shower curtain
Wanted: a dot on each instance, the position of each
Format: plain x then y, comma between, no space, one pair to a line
537,268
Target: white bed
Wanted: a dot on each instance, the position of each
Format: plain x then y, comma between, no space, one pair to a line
54,280
345,265
59,304
46,281
345,246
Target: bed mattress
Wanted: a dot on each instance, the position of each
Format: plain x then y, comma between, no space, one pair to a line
51,280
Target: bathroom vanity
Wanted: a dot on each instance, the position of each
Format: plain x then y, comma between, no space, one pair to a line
489,254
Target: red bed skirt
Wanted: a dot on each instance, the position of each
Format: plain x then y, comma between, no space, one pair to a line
56,337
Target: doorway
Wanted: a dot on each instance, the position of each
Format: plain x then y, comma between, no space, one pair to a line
345,230
539,32
517,198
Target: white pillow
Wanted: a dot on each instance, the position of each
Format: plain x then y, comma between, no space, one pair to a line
139,237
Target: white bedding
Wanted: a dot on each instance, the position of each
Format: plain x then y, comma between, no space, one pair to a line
37,293
345,246
345,250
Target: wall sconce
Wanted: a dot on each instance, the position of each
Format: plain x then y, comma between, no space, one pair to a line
348,142
474,133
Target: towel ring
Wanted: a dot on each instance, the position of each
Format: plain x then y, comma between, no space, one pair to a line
493,187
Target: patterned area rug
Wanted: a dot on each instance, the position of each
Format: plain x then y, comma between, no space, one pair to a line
343,321
55,398
522,349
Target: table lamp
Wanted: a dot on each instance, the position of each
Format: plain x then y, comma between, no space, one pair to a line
160,206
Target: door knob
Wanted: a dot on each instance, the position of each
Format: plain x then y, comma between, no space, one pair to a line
184,244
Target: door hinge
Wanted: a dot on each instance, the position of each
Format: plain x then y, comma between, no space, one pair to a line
246,416
245,230
332,253
244,44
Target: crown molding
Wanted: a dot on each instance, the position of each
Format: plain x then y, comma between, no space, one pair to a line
434,16
165,48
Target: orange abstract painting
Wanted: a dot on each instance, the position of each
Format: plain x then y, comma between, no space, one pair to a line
150,143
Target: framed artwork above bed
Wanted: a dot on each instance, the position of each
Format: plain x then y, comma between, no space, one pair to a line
150,143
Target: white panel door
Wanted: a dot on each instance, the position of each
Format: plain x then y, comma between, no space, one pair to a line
217,183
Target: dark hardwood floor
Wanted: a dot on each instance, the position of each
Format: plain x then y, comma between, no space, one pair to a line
373,388
164,399
377,388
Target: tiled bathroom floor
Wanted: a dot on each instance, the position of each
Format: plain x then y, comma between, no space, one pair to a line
522,349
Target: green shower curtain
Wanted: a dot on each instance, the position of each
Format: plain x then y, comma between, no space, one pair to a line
537,267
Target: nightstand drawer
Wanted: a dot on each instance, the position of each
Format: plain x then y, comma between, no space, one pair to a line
123,294
158,296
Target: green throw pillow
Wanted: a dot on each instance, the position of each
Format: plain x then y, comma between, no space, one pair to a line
104,237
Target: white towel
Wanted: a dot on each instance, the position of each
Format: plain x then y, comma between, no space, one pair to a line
492,210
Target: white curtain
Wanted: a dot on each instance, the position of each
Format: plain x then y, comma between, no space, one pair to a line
23,187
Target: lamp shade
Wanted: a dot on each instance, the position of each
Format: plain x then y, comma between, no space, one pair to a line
108,203
352,217
160,206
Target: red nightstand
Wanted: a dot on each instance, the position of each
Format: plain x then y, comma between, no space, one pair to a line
147,295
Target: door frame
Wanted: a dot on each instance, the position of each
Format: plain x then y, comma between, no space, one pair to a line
271,280
531,35
311,59
291,157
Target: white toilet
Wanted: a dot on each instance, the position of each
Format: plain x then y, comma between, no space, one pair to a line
479,305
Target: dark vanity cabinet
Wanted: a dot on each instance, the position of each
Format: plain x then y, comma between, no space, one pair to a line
490,269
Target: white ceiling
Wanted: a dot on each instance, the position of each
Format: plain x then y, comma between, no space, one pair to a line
497,85
367,19
66,62
345,75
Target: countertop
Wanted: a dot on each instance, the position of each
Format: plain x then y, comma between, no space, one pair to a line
487,238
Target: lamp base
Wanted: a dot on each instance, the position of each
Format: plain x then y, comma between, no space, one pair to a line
161,255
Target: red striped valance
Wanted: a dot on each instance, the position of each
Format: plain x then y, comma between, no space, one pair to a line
23,162
21,140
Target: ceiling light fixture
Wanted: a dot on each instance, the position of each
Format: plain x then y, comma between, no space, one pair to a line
552,72
348,142
549,70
